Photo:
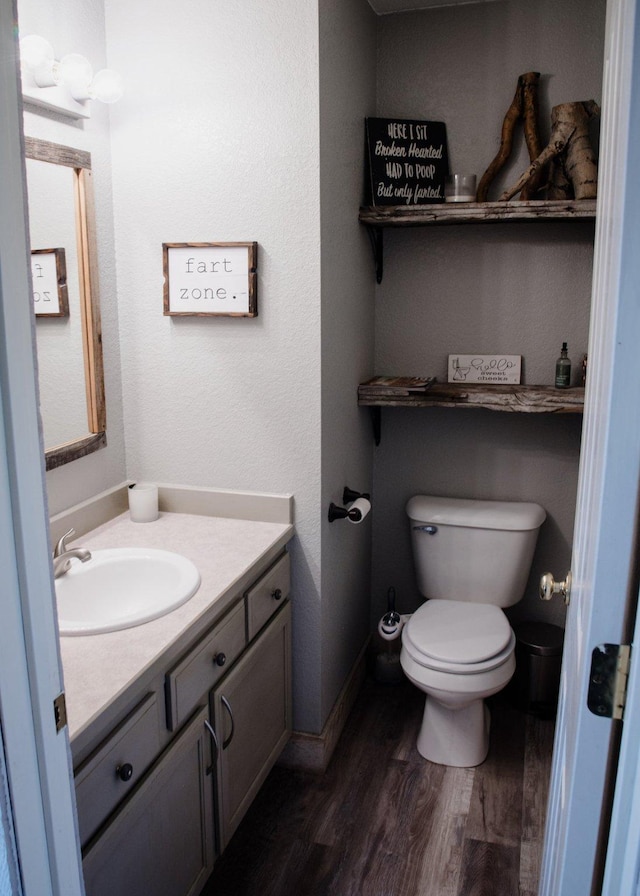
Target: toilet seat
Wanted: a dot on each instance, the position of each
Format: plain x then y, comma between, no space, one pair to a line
458,637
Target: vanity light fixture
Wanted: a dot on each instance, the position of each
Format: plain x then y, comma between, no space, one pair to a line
64,86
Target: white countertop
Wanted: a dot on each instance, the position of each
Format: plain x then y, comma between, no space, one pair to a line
100,668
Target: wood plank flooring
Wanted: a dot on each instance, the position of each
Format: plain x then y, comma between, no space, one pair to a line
382,821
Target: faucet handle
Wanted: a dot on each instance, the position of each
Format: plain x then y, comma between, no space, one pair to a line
61,546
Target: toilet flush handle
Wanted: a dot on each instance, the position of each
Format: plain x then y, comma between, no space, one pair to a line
549,587
430,530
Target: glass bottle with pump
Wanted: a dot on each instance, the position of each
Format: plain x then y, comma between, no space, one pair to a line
563,369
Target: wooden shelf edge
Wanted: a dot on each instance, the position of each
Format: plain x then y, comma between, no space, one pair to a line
477,212
514,399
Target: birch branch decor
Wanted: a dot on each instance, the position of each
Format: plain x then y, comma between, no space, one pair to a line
524,107
574,163
566,166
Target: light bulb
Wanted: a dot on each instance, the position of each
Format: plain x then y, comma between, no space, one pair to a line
106,86
76,73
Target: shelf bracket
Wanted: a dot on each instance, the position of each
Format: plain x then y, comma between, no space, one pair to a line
375,235
376,422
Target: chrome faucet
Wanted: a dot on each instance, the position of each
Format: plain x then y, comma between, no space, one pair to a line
62,555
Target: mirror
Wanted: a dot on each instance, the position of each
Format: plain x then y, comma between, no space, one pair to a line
65,298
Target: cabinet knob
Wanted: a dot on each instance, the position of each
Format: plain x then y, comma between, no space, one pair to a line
219,659
125,772
277,594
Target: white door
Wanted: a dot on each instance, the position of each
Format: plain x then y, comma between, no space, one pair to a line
38,762
604,550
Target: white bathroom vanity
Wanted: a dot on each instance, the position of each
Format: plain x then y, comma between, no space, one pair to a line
174,724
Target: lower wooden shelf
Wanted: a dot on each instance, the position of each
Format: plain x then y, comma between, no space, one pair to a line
514,399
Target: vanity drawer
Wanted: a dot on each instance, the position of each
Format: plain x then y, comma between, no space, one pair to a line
116,766
203,666
267,595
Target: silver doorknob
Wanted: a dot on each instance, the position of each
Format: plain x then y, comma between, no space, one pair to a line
549,587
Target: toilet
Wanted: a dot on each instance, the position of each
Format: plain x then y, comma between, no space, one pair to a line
472,559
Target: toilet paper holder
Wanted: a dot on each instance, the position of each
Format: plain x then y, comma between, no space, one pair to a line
341,513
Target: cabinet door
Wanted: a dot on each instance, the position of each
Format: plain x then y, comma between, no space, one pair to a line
252,716
161,842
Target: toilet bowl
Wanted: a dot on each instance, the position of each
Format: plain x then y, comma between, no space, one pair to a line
473,660
472,559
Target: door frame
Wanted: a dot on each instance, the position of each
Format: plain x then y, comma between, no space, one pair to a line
38,758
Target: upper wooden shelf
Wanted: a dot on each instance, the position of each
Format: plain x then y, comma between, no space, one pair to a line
378,217
477,212
515,399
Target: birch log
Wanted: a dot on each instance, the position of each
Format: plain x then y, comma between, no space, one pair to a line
570,150
559,185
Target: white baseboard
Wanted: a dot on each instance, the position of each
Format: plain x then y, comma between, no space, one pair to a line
313,752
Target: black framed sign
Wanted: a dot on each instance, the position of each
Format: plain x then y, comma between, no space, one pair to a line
407,161
204,279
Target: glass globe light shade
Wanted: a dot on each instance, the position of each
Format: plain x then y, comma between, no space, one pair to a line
76,73
37,57
34,50
107,86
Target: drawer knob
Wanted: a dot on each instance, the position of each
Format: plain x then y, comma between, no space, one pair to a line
277,594
125,772
219,659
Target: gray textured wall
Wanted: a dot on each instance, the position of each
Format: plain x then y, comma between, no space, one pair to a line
347,56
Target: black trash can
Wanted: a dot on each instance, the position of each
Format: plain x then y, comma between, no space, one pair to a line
535,684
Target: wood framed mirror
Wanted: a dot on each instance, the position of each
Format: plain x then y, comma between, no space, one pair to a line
71,372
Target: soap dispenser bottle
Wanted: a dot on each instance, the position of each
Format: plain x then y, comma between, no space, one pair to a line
563,369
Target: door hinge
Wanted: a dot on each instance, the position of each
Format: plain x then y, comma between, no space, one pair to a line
607,692
60,711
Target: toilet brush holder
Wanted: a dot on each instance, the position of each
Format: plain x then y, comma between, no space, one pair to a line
390,625
387,662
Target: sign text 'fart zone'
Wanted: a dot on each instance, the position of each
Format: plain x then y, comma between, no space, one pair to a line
210,278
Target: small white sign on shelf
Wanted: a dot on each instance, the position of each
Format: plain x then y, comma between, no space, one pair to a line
485,369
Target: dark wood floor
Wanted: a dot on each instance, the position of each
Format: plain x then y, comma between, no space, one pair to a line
382,821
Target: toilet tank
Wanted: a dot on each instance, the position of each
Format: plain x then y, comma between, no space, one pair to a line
479,551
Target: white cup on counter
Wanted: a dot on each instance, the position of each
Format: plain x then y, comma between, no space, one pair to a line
143,502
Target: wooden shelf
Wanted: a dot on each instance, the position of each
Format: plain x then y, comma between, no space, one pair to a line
375,218
513,399
477,213
518,399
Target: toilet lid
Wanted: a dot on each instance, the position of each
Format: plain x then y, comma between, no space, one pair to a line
456,632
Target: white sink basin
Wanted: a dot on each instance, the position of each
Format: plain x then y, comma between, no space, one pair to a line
122,587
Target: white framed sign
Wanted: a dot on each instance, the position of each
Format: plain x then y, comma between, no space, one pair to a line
49,282
485,369
205,279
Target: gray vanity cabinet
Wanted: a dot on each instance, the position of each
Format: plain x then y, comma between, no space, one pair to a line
251,709
160,843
